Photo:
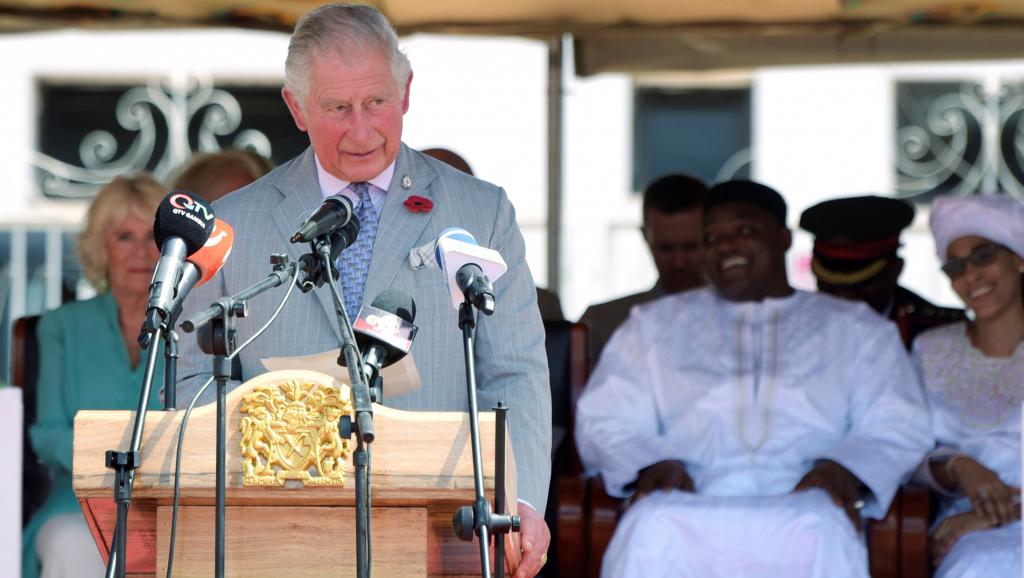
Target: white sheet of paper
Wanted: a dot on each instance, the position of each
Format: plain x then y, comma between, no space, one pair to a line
399,378
10,480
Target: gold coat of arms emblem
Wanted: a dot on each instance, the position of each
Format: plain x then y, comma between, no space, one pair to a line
290,432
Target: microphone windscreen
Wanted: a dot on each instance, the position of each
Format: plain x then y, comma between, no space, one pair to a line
397,303
343,238
213,254
186,216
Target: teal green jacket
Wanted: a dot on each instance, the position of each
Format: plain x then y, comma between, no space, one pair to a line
83,365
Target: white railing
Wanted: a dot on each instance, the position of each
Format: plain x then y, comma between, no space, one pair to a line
28,285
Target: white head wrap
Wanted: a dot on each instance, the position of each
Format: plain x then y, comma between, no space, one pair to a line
997,218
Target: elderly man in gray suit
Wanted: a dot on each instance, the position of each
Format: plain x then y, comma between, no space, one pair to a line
347,86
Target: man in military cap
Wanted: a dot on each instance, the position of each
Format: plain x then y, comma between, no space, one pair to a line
855,257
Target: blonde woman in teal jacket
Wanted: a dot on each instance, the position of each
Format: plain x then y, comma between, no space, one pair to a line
89,359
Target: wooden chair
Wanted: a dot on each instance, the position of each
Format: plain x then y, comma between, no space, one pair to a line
24,373
587,516
566,346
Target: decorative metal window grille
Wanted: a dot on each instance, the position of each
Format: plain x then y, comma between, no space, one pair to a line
90,133
960,138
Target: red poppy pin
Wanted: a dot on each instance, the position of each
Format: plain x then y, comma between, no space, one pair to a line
418,204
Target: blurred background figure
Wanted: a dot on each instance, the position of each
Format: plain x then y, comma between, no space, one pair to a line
90,359
672,214
213,175
856,240
547,301
450,158
973,373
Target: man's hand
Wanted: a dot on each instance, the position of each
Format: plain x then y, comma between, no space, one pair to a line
664,475
535,539
952,529
841,485
990,497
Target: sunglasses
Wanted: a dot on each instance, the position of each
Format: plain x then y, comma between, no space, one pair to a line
982,255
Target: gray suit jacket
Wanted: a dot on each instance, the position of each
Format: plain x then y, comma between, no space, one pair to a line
510,358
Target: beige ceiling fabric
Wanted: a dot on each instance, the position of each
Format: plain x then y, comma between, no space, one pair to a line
628,35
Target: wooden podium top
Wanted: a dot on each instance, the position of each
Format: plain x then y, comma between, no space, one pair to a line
418,458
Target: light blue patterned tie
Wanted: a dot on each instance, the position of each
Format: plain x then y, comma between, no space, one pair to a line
355,260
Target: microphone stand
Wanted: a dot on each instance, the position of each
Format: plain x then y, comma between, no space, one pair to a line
220,316
124,464
479,518
171,363
363,413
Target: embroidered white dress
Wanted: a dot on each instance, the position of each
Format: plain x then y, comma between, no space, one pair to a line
749,396
975,403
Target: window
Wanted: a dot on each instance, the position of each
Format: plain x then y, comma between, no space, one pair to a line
704,132
88,133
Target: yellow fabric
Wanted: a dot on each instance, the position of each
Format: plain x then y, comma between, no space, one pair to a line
846,278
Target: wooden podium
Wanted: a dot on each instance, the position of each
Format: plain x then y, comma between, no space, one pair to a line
422,470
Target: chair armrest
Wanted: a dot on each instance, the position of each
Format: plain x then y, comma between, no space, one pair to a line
587,517
605,512
915,519
571,525
898,543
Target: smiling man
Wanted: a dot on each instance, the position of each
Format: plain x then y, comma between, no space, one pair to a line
761,422
347,85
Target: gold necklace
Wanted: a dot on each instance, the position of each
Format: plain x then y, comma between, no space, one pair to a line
767,407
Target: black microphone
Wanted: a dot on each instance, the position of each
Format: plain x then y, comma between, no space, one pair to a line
183,224
335,212
384,330
476,287
340,240
344,237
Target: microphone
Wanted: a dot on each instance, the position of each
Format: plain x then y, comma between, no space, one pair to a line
202,265
469,268
340,240
333,213
183,224
384,331
344,237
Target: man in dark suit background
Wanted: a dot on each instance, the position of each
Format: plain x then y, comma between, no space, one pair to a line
672,213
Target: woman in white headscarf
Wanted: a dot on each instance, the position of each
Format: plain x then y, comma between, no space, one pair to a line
973,373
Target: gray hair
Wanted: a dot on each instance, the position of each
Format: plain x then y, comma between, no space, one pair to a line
343,28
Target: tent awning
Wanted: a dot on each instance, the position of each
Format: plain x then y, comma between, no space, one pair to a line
631,36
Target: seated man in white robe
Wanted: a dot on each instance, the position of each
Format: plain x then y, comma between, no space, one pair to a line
752,424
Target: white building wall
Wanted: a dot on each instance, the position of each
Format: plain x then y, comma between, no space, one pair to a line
486,99
818,132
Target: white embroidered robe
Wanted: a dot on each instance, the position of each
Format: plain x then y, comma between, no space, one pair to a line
749,395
